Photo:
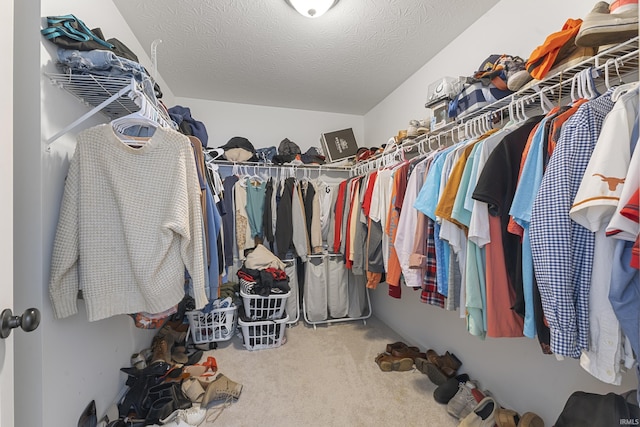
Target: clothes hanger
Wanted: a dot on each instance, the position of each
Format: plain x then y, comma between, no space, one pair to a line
545,104
215,153
617,62
574,83
460,129
585,76
511,111
429,141
516,111
623,87
607,82
524,107
484,124
210,163
137,118
255,177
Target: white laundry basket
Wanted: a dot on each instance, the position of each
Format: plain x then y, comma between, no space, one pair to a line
217,325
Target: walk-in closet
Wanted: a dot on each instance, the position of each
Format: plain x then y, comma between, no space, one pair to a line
240,213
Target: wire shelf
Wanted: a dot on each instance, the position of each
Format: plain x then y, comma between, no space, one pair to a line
114,97
92,90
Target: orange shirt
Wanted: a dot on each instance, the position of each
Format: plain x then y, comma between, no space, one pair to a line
502,321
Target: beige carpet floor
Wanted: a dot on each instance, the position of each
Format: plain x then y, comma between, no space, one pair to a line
324,377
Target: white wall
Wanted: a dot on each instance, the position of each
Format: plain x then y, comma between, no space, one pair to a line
267,126
514,370
66,363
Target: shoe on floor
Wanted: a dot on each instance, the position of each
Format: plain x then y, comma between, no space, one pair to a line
438,368
600,27
388,363
193,416
530,419
464,401
507,418
192,388
445,392
222,388
483,415
399,345
410,352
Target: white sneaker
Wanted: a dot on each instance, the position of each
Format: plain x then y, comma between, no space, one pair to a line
191,417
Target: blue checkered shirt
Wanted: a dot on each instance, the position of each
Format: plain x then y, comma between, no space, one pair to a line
562,249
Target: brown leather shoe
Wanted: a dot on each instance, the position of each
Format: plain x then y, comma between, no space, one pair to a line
506,418
438,368
388,363
432,356
161,350
447,362
395,346
410,352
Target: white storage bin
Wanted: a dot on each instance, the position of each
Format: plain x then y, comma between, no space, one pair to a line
257,307
217,325
263,334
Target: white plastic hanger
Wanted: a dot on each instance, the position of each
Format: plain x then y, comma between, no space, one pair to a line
575,90
511,111
545,104
607,64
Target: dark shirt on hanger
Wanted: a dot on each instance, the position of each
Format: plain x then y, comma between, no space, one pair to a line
497,185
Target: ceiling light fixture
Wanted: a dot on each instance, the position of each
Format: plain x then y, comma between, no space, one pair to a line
312,8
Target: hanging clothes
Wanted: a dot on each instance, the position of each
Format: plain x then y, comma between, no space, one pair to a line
593,207
256,192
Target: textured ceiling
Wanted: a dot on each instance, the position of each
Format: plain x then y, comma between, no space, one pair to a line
263,52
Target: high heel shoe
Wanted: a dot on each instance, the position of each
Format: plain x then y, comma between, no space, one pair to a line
134,398
170,390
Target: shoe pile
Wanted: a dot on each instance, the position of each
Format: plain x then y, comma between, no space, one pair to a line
478,408
464,399
488,413
398,356
170,384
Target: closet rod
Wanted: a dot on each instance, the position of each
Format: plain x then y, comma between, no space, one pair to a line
319,168
327,254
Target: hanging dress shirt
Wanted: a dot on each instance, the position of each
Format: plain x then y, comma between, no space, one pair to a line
562,249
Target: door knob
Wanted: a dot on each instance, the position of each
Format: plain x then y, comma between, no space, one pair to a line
29,321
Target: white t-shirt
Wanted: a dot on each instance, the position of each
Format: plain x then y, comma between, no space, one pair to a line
479,224
380,199
604,177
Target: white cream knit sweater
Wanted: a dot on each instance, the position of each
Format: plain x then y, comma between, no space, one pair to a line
129,224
